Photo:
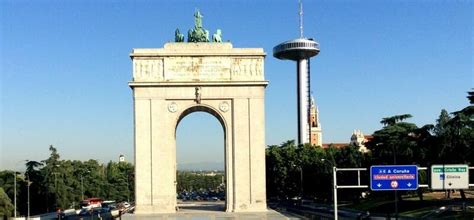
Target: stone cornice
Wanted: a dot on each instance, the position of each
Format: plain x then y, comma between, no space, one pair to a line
133,84
197,49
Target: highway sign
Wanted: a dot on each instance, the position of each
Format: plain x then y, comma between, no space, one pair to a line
451,176
394,177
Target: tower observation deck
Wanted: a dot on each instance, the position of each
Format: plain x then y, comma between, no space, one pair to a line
296,49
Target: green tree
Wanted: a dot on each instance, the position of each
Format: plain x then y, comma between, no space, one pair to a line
460,135
37,190
471,97
300,170
443,134
56,183
6,206
281,164
395,142
389,121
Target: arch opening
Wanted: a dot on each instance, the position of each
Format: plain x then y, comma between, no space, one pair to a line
200,160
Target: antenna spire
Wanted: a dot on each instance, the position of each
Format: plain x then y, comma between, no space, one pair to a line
301,18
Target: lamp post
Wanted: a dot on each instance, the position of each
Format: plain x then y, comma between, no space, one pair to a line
334,187
82,184
301,184
55,184
14,185
128,188
29,183
300,168
14,191
82,188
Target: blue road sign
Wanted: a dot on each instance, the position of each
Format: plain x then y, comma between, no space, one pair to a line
394,177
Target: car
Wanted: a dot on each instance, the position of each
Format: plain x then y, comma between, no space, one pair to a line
109,205
126,204
85,212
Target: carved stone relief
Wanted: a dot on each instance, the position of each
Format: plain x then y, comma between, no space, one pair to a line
247,68
148,70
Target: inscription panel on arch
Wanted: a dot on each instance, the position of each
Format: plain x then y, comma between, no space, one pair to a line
197,69
213,69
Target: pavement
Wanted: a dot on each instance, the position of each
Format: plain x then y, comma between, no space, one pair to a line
211,211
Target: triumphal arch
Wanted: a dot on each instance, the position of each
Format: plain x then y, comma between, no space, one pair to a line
172,82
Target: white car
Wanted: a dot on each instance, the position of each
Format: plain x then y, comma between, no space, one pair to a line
126,204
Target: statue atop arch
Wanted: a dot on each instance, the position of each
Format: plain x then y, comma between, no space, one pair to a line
198,33
197,19
217,37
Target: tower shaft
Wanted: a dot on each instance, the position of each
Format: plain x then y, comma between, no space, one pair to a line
303,101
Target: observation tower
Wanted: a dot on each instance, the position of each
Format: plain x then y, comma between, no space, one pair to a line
300,50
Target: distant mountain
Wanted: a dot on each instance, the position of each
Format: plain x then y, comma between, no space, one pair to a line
201,166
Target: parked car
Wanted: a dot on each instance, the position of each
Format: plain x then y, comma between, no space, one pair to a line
126,204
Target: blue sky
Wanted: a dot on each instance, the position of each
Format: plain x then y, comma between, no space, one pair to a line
65,66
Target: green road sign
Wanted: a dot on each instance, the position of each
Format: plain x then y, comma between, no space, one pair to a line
450,176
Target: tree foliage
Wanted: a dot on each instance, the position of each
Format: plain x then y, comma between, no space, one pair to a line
395,142
57,183
294,171
200,181
6,206
448,141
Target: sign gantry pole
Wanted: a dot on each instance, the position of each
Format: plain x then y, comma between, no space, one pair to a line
334,184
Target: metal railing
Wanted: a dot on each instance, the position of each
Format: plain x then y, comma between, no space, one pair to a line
296,45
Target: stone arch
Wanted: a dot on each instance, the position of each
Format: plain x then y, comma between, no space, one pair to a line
184,78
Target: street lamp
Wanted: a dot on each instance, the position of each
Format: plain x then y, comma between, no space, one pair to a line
128,187
82,184
14,184
301,184
55,184
14,190
334,198
29,183
301,180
